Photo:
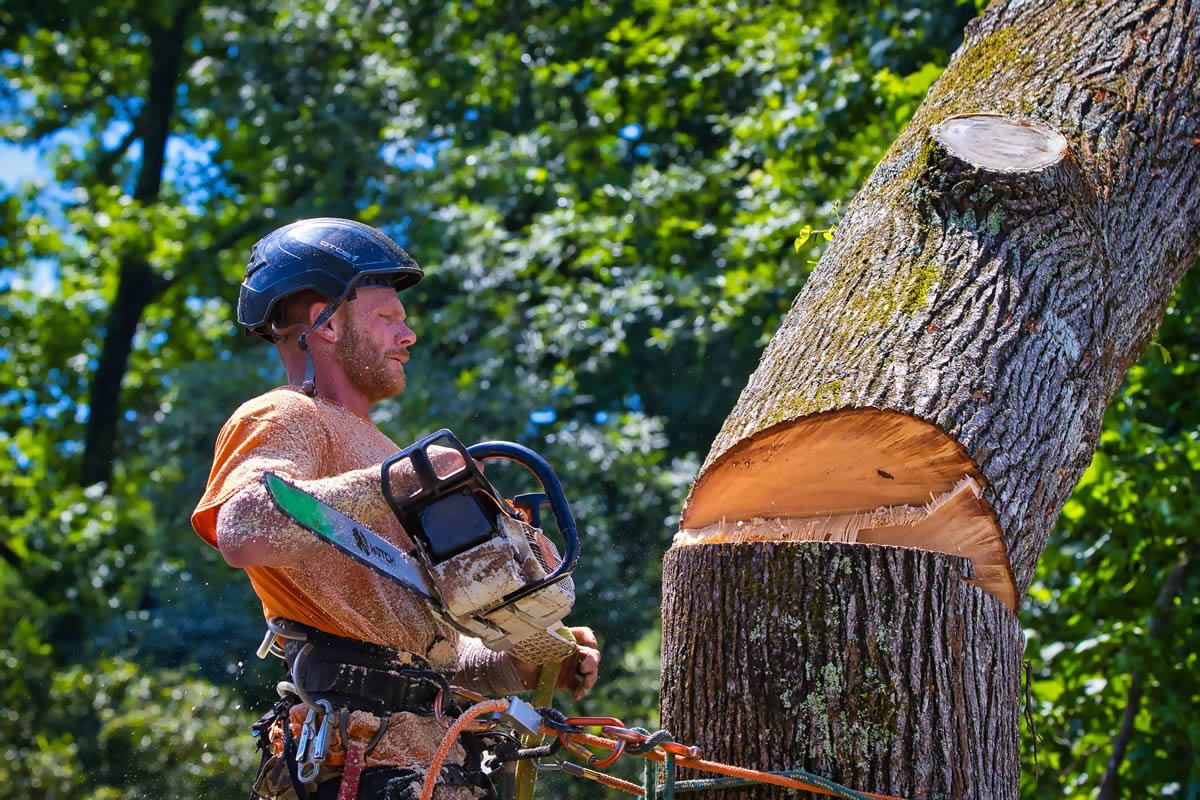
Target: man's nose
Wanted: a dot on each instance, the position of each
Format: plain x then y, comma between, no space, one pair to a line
406,337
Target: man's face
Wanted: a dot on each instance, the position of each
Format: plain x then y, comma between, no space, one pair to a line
374,342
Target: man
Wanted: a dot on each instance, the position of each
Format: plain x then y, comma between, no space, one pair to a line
324,291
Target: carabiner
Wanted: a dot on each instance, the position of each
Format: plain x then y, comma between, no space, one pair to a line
594,722
306,735
626,735
578,749
475,726
682,750
318,735
607,761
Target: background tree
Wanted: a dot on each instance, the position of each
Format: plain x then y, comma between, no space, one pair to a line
606,199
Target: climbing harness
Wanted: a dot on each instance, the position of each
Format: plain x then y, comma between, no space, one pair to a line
338,680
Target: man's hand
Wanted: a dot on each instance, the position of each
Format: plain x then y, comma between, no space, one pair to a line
444,460
578,673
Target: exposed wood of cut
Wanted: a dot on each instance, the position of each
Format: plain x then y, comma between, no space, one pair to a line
995,142
957,522
826,464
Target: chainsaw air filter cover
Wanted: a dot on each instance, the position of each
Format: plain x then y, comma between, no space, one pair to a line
497,577
454,524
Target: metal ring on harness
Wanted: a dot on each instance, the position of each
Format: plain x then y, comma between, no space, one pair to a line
342,721
275,629
474,727
296,684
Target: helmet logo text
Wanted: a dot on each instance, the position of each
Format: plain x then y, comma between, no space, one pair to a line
339,251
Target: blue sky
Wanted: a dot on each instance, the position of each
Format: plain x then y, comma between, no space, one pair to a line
18,164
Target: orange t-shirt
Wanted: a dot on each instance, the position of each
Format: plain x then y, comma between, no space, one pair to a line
307,438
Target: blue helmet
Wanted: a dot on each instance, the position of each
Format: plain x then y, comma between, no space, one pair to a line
334,256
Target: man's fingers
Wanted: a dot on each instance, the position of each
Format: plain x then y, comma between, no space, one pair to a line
584,637
589,663
587,671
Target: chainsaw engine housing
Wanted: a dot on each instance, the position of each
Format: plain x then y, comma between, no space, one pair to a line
497,576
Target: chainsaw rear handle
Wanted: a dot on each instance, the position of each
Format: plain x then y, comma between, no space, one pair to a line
433,487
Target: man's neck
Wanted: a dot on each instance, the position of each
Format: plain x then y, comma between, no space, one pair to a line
343,394
335,387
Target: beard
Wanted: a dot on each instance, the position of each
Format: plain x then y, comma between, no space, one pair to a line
370,368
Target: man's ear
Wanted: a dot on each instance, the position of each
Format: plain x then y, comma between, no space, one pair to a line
327,330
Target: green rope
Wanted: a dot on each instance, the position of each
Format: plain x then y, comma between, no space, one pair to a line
649,784
653,740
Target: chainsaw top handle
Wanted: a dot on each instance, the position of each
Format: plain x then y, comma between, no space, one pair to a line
470,478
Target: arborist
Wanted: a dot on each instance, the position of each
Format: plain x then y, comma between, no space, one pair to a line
325,293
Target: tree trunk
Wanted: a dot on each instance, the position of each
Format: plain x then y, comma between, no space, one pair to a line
988,289
900,692
138,284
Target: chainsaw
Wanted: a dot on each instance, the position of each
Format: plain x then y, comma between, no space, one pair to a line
480,563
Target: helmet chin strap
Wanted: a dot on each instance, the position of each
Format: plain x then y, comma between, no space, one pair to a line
309,386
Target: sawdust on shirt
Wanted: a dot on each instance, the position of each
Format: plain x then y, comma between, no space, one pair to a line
309,438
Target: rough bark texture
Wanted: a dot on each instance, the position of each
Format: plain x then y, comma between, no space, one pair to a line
875,666
1005,306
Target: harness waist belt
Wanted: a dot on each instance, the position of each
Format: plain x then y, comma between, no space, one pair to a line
362,675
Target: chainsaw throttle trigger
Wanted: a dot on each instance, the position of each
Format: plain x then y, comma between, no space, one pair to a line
531,506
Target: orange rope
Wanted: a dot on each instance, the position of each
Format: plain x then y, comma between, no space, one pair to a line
723,769
479,709
615,783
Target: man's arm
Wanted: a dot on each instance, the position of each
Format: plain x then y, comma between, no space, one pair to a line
252,532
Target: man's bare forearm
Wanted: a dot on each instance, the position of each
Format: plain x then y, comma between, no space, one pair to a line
252,532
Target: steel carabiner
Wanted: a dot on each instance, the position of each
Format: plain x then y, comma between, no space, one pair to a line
316,735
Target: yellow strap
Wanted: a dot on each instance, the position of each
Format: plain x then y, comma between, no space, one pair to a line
543,695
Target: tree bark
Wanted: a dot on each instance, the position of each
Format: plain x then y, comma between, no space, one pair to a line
1004,265
822,656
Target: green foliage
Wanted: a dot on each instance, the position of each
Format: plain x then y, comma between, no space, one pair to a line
1131,523
607,197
